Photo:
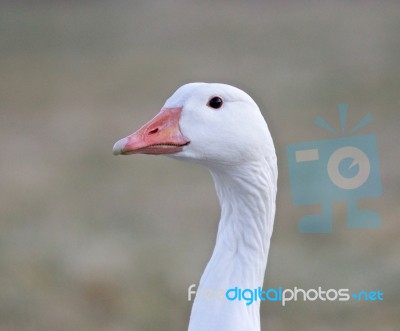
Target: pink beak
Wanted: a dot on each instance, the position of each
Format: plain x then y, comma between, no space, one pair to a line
161,135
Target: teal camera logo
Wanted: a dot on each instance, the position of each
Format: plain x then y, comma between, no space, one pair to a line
340,169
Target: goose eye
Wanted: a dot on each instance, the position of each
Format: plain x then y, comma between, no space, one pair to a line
215,102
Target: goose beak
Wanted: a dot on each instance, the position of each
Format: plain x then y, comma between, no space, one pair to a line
162,135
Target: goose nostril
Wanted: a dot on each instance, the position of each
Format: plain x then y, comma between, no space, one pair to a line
153,131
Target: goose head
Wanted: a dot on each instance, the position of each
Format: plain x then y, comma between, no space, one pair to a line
208,123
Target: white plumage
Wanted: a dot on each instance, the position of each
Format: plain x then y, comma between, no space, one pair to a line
221,127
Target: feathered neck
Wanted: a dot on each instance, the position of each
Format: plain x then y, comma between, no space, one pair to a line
247,197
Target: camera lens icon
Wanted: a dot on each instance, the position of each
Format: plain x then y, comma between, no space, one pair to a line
327,171
348,167
323,172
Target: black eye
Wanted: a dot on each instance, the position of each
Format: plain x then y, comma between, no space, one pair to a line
215,102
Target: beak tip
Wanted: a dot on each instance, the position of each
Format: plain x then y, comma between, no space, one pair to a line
119,146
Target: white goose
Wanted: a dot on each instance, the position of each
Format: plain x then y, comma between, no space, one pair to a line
221,127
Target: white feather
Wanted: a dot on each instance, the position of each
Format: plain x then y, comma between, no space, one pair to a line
235,144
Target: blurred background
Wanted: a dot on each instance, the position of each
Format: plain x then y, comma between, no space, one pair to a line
89,241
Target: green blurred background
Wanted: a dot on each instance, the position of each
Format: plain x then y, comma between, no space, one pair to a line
89,241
